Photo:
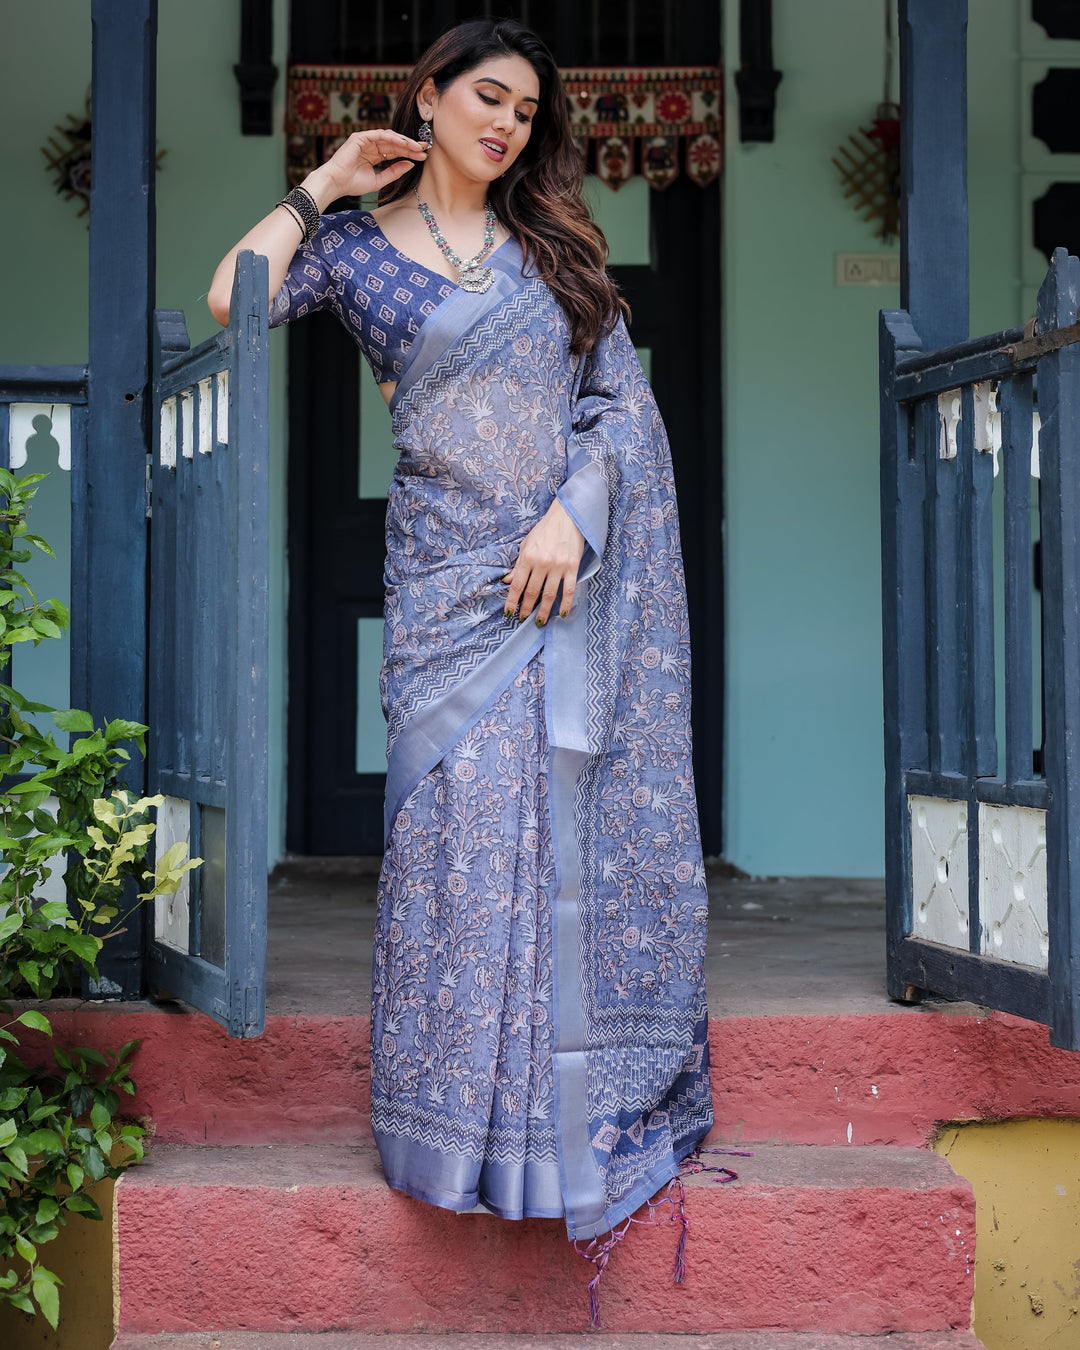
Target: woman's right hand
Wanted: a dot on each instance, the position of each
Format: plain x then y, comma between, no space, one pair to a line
351,171
354,168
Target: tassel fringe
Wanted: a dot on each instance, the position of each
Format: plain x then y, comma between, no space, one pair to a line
674,1199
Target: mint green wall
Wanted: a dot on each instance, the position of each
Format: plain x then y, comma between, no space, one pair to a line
804,774
213,186
43,318
213,183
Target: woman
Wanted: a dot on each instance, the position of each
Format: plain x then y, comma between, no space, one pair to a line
539,1027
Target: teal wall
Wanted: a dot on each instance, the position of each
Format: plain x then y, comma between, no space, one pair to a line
804,772
212,185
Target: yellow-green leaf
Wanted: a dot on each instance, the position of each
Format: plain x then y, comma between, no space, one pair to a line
48,1298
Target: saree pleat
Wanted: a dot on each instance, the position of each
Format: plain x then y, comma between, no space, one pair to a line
461,1006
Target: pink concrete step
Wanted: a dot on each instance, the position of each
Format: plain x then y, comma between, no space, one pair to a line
731,1340
286,1238
862,1078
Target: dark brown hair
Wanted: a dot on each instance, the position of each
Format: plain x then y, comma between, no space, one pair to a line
538,200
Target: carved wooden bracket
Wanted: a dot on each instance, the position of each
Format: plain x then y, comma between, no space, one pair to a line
256,72
756,80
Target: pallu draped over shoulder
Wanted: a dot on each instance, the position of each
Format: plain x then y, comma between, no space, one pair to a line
539,1025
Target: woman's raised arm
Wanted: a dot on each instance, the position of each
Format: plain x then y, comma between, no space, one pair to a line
366,162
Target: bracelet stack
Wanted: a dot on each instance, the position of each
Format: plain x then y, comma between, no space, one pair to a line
301,205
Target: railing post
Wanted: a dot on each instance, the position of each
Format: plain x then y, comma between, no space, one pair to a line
1059,457
933,158
903,613
108,674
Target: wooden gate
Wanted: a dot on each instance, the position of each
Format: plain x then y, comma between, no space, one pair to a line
208,654
980,478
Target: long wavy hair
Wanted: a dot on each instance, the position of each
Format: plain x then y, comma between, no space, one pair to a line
538,199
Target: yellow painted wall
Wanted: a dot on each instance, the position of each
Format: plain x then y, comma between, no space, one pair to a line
1026,1178
82,1255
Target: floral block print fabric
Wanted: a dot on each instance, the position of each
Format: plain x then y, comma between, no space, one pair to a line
539,1022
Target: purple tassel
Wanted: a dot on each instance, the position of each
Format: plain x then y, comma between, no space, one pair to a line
598,1253
594,1301
675,1198
678,1273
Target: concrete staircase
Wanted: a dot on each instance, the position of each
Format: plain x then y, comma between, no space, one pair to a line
261,1218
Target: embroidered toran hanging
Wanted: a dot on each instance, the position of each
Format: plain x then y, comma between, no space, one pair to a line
656,121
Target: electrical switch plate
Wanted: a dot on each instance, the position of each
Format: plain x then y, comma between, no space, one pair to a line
868,269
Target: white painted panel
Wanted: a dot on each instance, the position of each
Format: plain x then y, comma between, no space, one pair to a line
205,440
187,423
1012,884
171,921
948,422
42,432
168,434
221,398
987,421
939,868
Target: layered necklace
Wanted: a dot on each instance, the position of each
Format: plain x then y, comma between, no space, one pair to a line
471,276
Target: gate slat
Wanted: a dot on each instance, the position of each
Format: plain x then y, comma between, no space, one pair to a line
1016,423
944,575
978,466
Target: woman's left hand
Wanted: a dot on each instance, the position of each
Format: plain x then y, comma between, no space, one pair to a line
549,556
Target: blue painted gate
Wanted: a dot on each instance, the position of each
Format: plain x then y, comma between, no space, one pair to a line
208,654
980,477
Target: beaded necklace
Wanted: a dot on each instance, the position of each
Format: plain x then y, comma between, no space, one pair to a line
471,276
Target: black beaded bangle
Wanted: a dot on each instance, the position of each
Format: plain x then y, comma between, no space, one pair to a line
304,206
296,216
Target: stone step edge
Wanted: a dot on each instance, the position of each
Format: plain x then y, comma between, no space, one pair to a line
733,1340
863,1078
877,1167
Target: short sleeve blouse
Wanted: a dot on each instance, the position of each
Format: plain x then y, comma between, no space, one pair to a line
381,296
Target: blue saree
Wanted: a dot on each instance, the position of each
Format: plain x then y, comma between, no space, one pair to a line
539,1039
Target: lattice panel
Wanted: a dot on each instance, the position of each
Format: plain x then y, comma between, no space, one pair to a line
1012,885
939,868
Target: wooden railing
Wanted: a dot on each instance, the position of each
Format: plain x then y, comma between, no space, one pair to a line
981,481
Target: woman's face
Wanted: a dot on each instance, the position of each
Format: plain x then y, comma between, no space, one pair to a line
481,122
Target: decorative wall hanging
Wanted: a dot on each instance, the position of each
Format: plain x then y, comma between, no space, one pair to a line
625,121
67,155
869,163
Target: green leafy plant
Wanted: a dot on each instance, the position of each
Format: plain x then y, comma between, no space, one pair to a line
60,1132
